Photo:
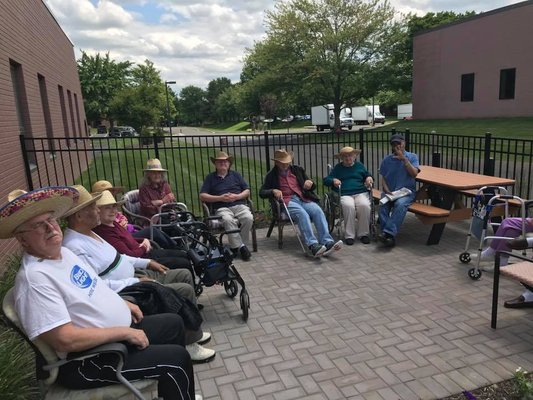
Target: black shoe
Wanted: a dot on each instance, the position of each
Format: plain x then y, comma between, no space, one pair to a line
235,252
364,239
390,241
245,253
349,241
317,250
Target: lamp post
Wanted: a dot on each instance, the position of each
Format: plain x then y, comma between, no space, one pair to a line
168,106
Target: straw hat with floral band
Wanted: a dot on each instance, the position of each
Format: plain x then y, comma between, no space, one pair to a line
108,199
100,186
85,199
153,164
283,156
222,156
23,206
347,151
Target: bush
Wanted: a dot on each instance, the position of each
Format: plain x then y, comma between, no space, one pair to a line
17,373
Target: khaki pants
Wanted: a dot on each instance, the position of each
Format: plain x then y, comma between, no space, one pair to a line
231,218
356,207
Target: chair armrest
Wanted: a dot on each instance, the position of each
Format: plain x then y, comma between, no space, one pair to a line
510,254
115,348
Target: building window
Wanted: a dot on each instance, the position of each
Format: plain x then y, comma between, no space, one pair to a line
507,83
467,87
46,113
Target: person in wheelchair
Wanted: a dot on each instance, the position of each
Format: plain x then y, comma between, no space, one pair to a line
125,243
160,237
154,190
351,180
290,184
61,300
120,271
227,191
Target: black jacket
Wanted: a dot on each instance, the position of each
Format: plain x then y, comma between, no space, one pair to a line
272,182
155,298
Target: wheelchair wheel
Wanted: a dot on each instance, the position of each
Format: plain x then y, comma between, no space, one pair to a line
474,273
231,288
198,289
245,304
465,257
329,212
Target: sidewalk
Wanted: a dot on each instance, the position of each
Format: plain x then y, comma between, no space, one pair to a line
366,323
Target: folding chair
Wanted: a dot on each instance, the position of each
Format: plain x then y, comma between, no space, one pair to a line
132,208
279,219
216,226
47,364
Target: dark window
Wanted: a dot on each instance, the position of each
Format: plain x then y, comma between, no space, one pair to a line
467,87
507,83
46,112
64,113
21,105
71,109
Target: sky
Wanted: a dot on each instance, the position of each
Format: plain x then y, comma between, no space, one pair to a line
192,41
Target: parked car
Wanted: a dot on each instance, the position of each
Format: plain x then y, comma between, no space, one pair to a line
101,129
122,131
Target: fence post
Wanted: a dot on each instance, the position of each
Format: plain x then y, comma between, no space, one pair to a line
435,159
27,168
406,137
361,144
267,150
156,147
488,167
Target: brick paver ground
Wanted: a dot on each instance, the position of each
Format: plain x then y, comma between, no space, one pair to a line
367,323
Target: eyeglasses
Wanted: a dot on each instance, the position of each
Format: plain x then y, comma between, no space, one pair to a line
41,226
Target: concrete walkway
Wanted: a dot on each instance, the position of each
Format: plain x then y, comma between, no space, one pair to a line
366,323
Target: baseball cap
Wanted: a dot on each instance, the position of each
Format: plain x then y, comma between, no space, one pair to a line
396,138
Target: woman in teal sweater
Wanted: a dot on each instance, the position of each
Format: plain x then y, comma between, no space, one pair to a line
353,180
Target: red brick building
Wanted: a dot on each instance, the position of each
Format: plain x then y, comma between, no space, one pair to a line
480,67
40,93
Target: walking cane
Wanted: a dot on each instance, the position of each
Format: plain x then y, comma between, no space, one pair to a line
372,214
294,227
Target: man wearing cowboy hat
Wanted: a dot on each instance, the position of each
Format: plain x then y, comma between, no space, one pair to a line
352,179
397,170
290,184
154,190
227,191
118,270
62,301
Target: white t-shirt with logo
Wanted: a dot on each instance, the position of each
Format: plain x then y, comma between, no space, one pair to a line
51,293
99,254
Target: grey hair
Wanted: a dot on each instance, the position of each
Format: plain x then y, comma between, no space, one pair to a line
146,181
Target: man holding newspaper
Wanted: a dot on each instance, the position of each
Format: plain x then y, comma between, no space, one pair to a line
398,171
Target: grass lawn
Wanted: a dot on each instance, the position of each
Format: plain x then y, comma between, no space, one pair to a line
500,127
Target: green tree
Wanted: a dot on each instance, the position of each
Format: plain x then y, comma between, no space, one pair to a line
192,105
214,89
143,103
101,78
319,48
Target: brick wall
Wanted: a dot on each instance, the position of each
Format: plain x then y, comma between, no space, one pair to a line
32,44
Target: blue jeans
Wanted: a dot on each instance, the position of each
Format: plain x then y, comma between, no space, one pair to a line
392,214
303,214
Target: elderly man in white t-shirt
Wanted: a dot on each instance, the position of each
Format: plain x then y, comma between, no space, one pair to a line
64,302
118,270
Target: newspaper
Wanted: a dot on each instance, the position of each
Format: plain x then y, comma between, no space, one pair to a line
395,195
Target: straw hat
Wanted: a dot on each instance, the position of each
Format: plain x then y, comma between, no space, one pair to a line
348,150
100,186
85,199
283,156
222,156
107,199
21,208
154,164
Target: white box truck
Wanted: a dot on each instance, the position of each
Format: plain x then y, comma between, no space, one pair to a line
362,115
323,117
405,111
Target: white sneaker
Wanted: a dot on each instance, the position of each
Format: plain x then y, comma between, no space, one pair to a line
198,397
206,337
200,354
333,246
482,259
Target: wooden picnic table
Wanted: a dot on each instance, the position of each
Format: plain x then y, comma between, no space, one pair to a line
445,189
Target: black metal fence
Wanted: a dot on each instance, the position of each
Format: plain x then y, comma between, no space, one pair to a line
121,160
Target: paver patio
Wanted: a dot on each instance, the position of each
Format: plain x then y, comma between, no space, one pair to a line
365,323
